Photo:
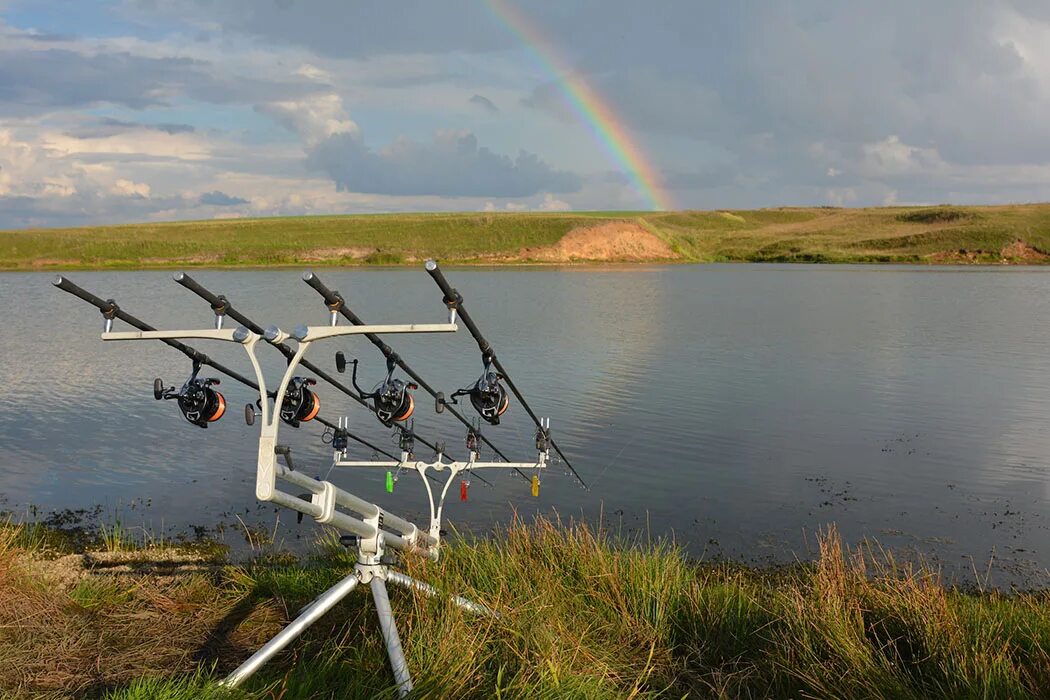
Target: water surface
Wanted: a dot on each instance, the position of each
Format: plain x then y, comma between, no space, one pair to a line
738,408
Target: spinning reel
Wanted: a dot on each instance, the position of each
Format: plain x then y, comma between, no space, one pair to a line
300,402
390,397
199,403
488,397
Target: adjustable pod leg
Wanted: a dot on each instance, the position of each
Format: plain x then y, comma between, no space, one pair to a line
409,582
393,642
309,615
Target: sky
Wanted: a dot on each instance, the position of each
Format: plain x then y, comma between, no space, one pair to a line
142,110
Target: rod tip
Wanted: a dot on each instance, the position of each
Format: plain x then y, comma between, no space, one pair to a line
59,279
431,264
307,276
178,276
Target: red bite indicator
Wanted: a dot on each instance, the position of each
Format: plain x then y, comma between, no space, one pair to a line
463,490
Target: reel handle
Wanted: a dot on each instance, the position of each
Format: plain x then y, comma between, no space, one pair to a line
158,388
250,414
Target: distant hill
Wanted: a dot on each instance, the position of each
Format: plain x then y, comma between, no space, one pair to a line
940,234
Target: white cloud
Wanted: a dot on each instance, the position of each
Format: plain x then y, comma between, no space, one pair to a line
552,203
891,156
314,119
312,72
127,188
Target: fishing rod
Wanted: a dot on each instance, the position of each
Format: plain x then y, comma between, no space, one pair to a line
221,305
337,304
487,396
201,402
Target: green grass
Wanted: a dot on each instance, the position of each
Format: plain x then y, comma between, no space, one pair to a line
582,615
888,234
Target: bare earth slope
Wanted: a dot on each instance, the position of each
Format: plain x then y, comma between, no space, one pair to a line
1013,234
615,241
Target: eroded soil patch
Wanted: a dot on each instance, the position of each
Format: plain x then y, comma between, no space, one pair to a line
615,241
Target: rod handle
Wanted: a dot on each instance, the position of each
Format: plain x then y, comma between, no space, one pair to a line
192,285
435,272
66,285
331,298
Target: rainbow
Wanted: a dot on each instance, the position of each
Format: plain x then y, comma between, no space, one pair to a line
593,111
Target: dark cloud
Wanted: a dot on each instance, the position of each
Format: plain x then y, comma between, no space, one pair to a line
485,103
548,97
452,165
86,208
107,126
221,199
338,28
37,81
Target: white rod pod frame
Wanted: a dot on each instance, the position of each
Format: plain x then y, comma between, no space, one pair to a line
375,529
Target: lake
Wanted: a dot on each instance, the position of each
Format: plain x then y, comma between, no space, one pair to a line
737,408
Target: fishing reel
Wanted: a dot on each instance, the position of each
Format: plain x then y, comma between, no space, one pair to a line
199,403
300,402
390,398
488,397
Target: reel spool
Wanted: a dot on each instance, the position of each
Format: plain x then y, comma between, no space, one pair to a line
390,398
488,397
300,403
199,403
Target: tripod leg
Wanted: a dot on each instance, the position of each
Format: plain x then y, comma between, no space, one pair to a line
309,615
409,582
393,642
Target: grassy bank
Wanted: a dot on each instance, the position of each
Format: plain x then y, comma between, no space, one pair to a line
942,234
581,616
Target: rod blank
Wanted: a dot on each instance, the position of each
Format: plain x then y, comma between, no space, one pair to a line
109,306
454,300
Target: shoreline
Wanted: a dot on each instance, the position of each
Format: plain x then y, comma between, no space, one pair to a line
935,235
523,265
580,614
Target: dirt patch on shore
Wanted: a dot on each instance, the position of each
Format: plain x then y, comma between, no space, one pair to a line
52,262
1016,253
65,572
323,254
1022,252
615,241
202,259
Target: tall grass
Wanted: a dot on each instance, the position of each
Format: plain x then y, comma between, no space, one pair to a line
581,615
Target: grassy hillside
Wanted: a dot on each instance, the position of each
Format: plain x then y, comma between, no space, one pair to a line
942,234
581,616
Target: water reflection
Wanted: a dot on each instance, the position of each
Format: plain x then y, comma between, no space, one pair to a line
739,407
